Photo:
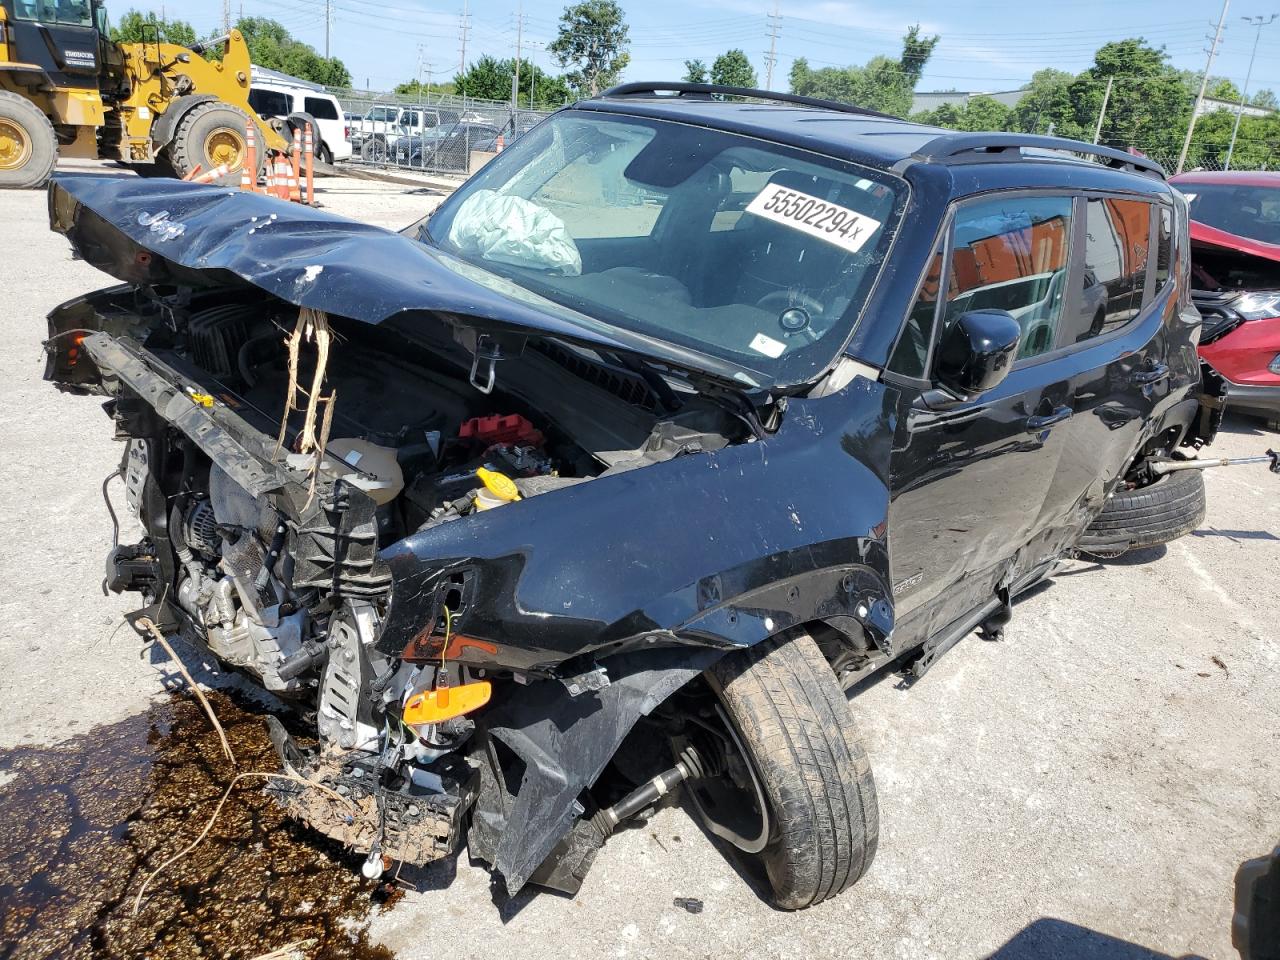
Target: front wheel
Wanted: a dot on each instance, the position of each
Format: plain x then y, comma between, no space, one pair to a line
1160,512
793,725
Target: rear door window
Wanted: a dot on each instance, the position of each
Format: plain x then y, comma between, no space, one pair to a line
1011,253
270,103
321,109
1114,278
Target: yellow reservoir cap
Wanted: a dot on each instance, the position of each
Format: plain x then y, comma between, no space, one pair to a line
445,703
500,485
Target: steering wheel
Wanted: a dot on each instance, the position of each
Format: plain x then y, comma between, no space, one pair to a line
796,312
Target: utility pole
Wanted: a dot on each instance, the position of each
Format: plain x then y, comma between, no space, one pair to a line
1259,22
1106,97
1204,83
226,16
515,80
464,24
770,58
328,15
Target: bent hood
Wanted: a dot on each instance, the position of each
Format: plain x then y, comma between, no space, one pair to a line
206,236
1206,236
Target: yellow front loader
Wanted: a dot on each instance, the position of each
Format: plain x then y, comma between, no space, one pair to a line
67,90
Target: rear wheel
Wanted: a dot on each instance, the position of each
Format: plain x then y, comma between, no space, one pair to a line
817,831
1160,512
28,145
209,136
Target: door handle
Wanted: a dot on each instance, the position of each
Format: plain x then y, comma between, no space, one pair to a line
1036,424
1151,375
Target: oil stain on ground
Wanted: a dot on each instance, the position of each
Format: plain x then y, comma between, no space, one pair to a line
82,824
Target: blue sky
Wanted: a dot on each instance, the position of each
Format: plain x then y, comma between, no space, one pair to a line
986,45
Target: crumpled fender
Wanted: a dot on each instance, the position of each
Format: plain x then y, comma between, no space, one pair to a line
718,549
653,574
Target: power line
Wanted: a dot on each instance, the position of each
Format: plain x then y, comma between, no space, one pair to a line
1259,22
1204,82
775,24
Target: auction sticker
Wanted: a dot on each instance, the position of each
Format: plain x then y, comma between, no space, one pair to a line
819,218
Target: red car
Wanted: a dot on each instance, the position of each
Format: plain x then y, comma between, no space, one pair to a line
1235,265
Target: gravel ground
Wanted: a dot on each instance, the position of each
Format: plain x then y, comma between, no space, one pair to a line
1085,788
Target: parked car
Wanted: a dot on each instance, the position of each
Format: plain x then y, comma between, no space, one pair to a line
379,144
509,133
678,420
446,147
274,95
1235,261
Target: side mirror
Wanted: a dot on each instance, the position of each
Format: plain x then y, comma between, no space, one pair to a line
975,354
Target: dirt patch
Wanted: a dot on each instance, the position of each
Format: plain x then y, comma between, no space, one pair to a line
83,823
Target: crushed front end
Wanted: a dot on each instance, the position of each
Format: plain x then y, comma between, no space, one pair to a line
481,597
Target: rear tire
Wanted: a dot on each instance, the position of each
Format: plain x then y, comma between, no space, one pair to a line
209,135
795,725
28,145
1148,516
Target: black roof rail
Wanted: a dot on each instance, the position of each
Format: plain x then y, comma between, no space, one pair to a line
706,91
952,146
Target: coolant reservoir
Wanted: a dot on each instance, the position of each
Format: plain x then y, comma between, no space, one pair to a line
374,469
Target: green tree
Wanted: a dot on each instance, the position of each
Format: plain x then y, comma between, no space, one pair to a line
416,88
490,79
134,27
592,40
1265,99
733,69
881,84
273,47
1150,101
695,71
981,112
1047,102
1220,88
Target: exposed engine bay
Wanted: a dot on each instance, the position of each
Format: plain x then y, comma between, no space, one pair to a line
269,555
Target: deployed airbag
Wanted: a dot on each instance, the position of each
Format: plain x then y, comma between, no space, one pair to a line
513,230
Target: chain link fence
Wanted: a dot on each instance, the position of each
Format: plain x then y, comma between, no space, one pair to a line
434,133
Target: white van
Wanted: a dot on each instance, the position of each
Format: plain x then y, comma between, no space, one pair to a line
273,94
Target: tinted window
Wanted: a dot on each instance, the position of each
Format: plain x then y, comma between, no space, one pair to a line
74,13
1252,212
1011,254
911,355
321,108
1164,245
270,103
1117,233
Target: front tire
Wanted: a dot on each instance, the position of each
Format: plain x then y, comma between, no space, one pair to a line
1160,512
794,724
28,145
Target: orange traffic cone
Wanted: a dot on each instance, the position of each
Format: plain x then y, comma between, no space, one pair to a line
249,168
502,142
211,175
295,161
308,150
282,177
